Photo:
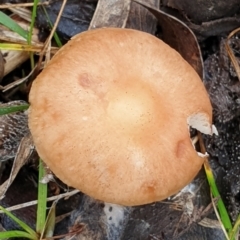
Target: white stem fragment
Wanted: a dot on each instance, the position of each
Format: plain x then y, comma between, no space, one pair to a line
200,121
203,155
116,219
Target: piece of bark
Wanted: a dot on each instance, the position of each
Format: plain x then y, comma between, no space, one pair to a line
128,14
203,10
110,13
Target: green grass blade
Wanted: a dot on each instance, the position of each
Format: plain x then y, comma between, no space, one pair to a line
23,225
24,47
13,46
220,205
42,200
15,234
34,14
17,47
12,109
233,233
214,190
12,25
55,35
29,39
51,221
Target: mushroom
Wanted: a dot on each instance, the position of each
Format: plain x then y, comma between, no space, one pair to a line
110,116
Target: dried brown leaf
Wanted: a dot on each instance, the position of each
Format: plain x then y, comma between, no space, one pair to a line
231,53
141,19
179,36
24,151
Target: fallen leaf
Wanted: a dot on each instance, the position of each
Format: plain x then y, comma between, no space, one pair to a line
179,36
24,151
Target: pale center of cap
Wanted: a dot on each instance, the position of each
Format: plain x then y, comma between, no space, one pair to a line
133,108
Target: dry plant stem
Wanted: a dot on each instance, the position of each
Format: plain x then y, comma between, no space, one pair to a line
46,44
16,5
231,54
233,32
48,53
11,42
218,217
23,13
210,223
66,236
31,203
16,83
63,216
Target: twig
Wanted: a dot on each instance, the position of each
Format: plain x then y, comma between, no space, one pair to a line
16,5
218,217
231,54
46,44
31,203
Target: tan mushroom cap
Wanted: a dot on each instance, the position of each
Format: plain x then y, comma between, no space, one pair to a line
109,116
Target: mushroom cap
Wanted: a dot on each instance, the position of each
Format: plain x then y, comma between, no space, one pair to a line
109,116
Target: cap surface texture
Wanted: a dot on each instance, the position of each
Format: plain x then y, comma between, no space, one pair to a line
109,115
